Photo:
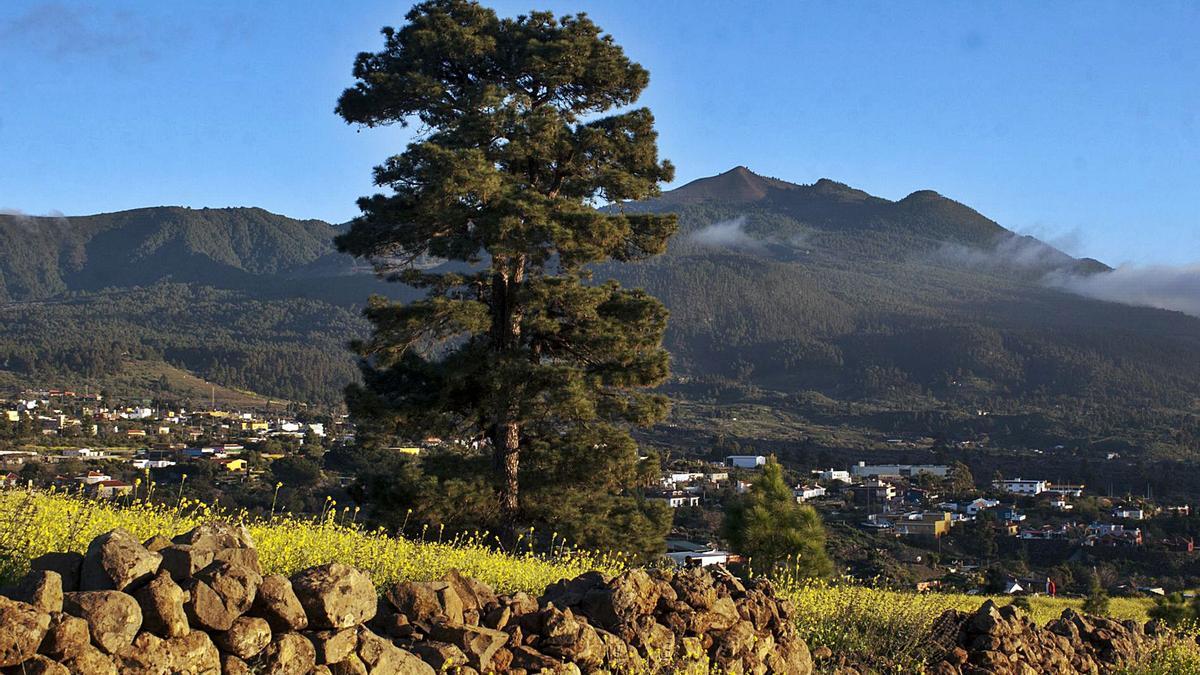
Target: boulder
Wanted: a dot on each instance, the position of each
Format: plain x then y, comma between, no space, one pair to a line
22,628
113,618
216,535
442,656
40,665
156,543
194,654
277,603
67,565
479,644
474,595
91,661
289,654
236,585
351,665
246,637
67,637
162,600
381,657
427,602
41,588
232,665
332,646
570,639
246,557
182,561
143,656
115,561
204,608
335,596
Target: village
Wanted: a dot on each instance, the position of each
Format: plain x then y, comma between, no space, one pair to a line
76,433
914,510
110,450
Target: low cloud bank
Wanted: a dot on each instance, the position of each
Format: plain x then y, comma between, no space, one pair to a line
726,234
732,234
1017,251
1162,286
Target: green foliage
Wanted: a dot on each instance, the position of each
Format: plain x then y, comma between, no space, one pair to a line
296,471
959,480
516,350
290,348
774,531
1097,600
1173,610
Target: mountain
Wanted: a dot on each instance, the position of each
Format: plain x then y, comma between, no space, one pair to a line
906,316
44,256
241,296
921,304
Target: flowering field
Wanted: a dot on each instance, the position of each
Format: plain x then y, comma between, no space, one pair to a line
33,523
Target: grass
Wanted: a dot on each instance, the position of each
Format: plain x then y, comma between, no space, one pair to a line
876,624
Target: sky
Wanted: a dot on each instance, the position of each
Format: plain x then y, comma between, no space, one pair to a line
1078,122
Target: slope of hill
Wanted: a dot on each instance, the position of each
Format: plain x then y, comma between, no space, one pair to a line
915,305
234,247
922,308
243,297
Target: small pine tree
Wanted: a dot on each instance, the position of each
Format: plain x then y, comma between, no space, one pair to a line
1097,599
776,532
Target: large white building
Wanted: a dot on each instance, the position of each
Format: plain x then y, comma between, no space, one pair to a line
832,475
745,461
864,470
1019,486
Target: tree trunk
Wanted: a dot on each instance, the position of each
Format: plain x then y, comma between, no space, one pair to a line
506,340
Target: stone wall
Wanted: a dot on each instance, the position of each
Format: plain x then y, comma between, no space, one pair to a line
1001,641
199,604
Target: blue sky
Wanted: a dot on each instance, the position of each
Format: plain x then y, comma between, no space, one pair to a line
1077,122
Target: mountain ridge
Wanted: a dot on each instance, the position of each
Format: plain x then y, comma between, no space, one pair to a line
919,304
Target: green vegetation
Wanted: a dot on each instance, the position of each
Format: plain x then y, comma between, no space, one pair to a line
516,351
774,532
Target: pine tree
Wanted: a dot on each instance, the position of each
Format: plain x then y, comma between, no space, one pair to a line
776,532
513,349
1096,601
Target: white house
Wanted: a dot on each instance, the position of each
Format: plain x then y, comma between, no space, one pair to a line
745,461
82,453
675,498
832,475
1020,486
93,477
1129,513
974,507
804,493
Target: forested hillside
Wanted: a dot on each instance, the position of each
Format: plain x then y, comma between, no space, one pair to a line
242,297
911,305
918,304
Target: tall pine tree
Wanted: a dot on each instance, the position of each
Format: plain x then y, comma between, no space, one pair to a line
513,349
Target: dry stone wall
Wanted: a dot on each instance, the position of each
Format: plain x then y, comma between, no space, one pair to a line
1001,641
199,604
